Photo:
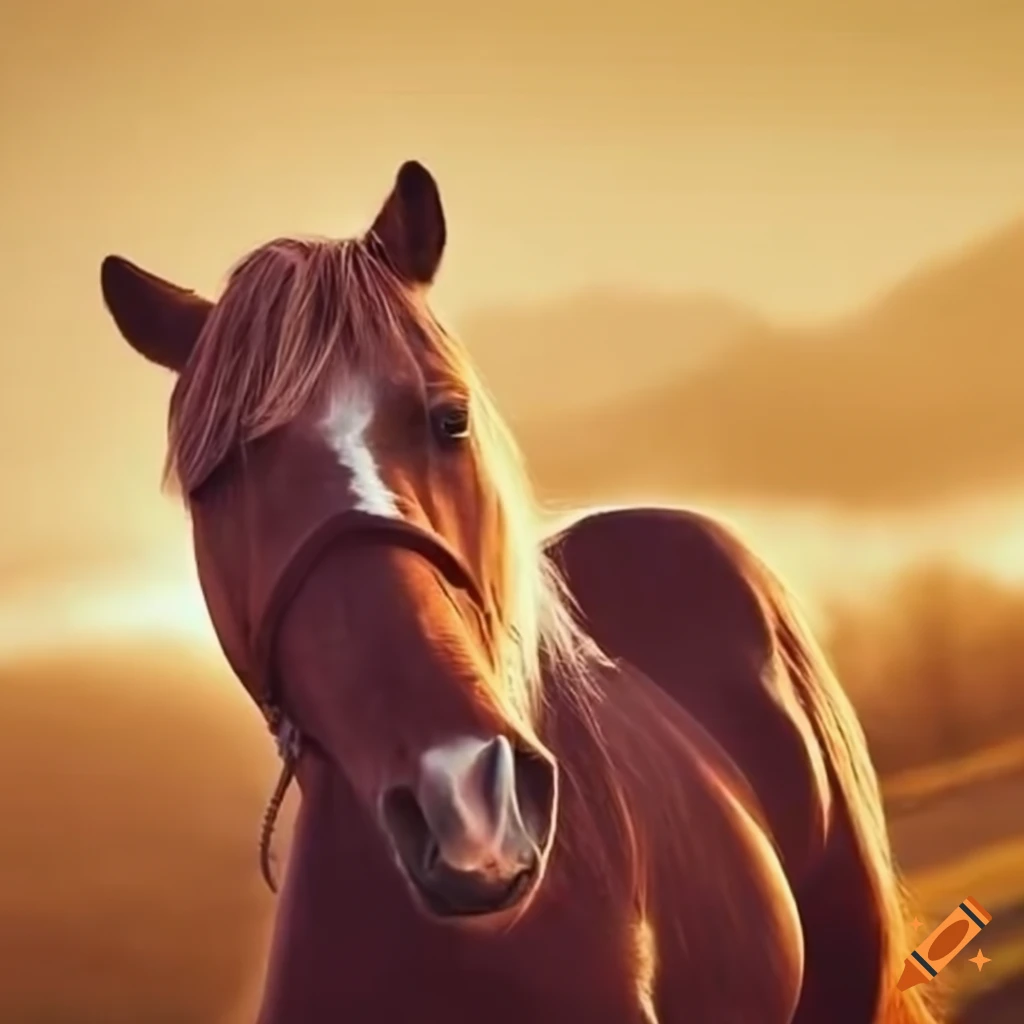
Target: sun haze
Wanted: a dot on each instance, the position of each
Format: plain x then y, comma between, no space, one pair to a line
797,161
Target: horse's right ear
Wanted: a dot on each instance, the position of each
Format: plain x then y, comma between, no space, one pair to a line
158,319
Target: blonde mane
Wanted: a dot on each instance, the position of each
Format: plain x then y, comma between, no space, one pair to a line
296,314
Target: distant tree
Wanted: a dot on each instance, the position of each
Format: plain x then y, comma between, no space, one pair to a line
935,666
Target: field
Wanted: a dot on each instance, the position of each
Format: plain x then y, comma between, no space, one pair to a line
959,831
133,792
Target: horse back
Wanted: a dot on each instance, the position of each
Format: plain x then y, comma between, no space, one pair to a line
680,597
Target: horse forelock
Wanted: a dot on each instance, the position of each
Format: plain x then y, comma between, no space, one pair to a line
295,315
307,320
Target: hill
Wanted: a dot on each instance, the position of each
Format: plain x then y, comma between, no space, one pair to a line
590,348
133,801
918,397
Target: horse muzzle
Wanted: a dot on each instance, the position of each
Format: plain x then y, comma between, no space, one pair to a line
471,834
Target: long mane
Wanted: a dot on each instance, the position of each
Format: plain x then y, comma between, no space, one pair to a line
297,314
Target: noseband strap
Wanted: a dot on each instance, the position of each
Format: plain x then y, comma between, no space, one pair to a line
350,527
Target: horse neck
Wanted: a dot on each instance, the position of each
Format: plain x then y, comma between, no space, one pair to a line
344,893
337,850
594,841
340,885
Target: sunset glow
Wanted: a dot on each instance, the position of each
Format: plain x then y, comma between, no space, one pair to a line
711,152
46,617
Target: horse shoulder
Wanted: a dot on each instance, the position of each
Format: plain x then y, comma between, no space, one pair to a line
681,597
704,862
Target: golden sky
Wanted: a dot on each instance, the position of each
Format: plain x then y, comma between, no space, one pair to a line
798,154
796,157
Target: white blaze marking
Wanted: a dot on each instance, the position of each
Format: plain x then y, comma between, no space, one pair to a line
456,808
345,426
453,759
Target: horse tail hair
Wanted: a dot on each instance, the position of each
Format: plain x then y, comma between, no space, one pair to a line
858,793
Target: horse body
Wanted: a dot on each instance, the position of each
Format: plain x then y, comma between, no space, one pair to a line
680,596
644,800
679,911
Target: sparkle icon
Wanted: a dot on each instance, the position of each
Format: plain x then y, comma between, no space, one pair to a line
980,960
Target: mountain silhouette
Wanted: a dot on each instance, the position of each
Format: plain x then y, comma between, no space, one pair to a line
587,348
918,397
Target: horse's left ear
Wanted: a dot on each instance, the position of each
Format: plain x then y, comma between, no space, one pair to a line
410,226
158,319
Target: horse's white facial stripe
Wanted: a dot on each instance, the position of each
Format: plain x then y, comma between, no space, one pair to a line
345,426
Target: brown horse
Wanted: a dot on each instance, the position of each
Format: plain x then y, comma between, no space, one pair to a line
601,777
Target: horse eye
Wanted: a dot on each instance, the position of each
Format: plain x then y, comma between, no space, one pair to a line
451,423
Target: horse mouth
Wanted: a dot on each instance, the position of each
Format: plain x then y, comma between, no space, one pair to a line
446,891
450,893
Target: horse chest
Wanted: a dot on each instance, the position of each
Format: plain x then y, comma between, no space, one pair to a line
412,978
350,946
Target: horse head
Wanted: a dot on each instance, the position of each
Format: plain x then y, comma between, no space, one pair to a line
365,540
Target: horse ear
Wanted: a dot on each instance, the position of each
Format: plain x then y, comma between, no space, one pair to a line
158,319
410,226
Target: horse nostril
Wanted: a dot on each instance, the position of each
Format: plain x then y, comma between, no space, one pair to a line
431,856
497,769
535,793
404,821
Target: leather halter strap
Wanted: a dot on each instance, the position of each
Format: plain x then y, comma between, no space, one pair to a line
348,527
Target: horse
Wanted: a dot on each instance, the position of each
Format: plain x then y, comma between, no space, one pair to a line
595,773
